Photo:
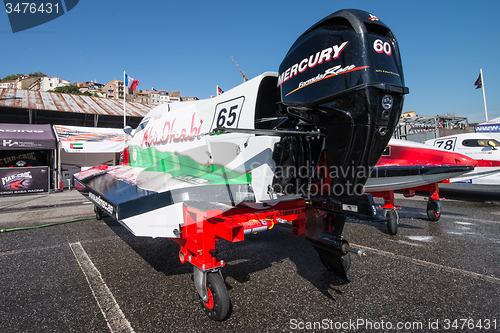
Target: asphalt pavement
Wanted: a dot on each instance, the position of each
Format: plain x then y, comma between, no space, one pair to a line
94,276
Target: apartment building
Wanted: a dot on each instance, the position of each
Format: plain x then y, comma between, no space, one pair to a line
114,89
188,99
169,97
39,83
49,83
7,84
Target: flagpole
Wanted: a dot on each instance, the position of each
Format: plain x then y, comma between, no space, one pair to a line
124,109
484,95
124,100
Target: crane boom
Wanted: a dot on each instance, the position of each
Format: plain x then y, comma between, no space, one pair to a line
242,73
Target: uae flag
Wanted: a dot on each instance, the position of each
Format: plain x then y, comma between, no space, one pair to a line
76,145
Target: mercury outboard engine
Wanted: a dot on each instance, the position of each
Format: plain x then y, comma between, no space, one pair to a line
342,79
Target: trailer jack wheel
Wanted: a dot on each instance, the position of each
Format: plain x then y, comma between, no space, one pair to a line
217,306
434,210
98,213
392,222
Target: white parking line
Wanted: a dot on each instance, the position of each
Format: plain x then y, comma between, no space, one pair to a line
431,264
109,307
45,248
478,220
35,249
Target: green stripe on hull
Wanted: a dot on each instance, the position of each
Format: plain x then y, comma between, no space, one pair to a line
178,165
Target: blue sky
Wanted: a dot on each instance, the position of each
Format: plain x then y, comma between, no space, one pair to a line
187,45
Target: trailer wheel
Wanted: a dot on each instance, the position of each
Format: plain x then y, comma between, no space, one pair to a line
218,304
434,210
392,222
98,213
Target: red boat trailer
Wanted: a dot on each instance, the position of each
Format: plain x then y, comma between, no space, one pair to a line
205,224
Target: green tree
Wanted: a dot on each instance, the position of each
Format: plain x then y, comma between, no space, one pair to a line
71,89
10,77
36,74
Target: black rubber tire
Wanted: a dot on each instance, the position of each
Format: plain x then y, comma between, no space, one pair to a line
218,306
98,213
434,210
392,223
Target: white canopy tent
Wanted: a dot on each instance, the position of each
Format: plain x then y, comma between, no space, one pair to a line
84,147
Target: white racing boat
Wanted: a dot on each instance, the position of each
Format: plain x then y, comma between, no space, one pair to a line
484,148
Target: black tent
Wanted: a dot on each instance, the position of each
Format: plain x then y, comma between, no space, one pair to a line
26,150
26,137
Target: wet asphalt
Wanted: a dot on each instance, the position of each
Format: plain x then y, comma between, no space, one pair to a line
431,277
